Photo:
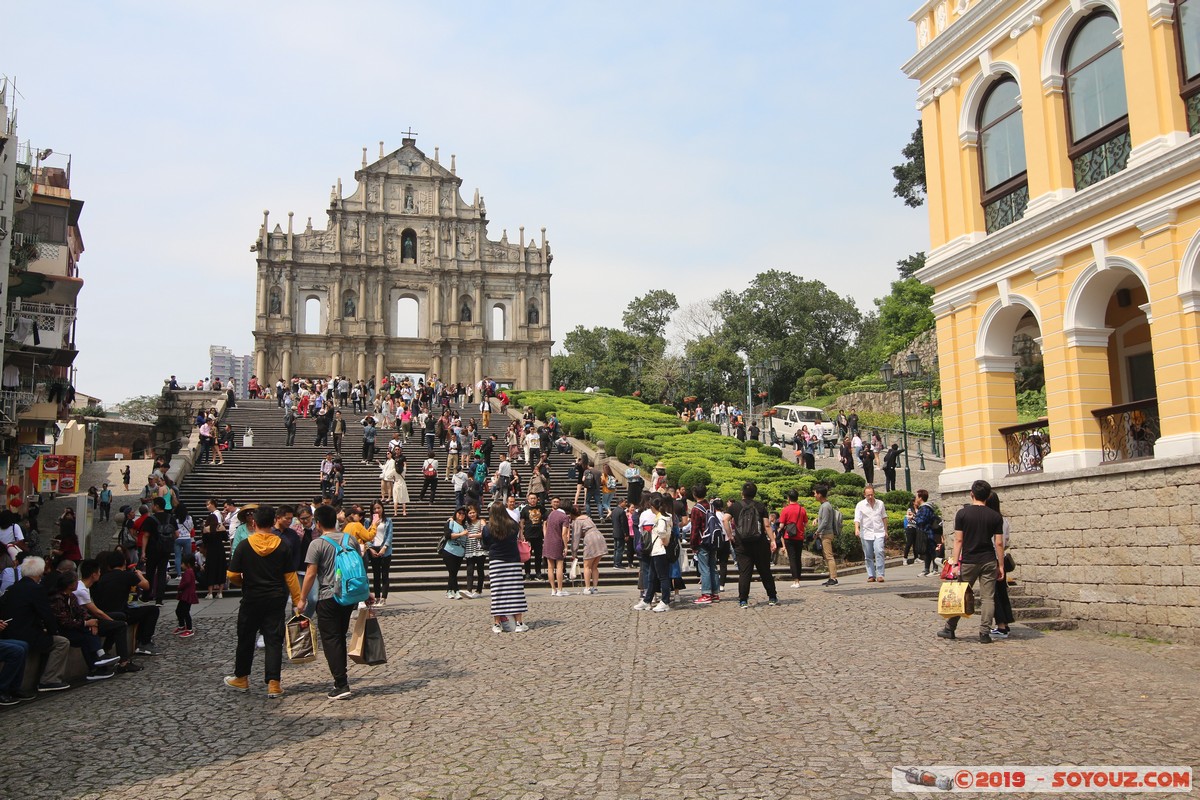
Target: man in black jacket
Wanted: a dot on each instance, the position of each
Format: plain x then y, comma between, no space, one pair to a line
32,621
890,459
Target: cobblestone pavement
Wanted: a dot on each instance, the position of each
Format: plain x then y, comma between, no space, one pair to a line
818,697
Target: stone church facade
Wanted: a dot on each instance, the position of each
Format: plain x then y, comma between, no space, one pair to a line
403,279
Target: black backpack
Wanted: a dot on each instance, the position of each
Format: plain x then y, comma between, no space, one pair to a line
749,522
589,479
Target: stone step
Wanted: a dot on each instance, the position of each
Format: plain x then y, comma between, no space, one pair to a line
1051,624
1034,612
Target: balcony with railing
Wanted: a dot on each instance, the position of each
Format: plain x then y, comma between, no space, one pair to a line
40,325
1128,431
1027,446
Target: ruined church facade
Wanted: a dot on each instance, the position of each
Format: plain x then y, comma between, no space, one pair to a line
403,279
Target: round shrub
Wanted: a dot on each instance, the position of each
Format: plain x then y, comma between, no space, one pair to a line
773,451
825,475
849,479
847,491
898,497
674,473
708,426
692,476
848,545
665,409
579,427
645,460
753,443
693,426
624,451
605,391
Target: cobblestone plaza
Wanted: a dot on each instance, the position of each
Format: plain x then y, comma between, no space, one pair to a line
818,697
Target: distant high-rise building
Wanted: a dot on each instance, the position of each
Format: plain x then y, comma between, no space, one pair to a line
223,364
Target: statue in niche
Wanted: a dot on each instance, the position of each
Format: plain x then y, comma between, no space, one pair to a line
533,316
349,307
410,205
408,248
274,303
464,313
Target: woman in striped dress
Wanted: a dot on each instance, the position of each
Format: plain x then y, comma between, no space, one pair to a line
506,574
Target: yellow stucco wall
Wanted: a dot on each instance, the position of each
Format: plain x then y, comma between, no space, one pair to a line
1130,230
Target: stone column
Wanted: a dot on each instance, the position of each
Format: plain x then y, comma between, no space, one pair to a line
335,306
289,294
260,365
379,368
287,364
453,369
479,306
545,373
362,297
478,369
263,289
545,311
361,367
335,363
435,366
523,373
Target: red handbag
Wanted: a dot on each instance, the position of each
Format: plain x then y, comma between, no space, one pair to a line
950,571
524,550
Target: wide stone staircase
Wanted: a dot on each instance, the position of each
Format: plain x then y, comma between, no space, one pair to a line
270,472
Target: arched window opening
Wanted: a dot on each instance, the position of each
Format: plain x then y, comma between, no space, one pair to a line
1002,156
406,318
350,305
312,315
408,246
1187,31
1097,108
499,329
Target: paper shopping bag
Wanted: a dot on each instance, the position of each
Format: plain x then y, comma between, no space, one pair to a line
372,652
301,640
358,633
955,599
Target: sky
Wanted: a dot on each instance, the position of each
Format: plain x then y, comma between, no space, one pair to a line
677,145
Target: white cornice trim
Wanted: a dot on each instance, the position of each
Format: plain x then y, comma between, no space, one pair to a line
1190,300
1162,12
958,257
1148,151
1047,200
1088,337
1048,267
996,363
1157,222
984,26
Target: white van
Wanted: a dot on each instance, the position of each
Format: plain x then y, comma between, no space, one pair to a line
788,420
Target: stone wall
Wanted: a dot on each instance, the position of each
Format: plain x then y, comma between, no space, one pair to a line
1117,547
885,402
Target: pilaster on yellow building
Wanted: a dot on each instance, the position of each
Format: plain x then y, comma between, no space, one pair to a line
1063,169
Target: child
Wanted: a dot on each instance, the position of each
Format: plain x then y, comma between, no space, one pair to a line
187,596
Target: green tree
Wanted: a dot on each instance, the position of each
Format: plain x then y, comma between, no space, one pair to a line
801,322
647,316
143,408
908,266
904,313
910,176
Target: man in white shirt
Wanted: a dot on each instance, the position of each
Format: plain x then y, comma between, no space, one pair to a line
533,447
503,479
870,523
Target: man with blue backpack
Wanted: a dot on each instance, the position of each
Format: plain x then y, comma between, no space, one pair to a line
336,566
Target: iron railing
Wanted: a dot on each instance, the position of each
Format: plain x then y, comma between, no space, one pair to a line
1128,431
1027,446
51,320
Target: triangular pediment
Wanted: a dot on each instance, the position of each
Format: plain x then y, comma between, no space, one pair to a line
408,160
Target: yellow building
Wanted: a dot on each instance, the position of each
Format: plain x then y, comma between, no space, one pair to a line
1063,173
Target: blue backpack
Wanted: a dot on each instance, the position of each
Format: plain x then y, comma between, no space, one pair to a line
714,532
350,586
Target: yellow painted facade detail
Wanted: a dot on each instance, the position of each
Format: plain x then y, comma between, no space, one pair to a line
1103,277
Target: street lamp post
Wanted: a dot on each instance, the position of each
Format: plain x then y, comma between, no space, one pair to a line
913,364
763,371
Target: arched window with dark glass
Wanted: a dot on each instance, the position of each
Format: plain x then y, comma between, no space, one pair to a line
1097,109
1002,156
1187,31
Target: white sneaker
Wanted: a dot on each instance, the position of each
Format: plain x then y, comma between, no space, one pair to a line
467,593
796,585
520,628
662,606
642,606
497,628
259,644
564,593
